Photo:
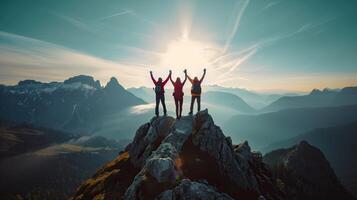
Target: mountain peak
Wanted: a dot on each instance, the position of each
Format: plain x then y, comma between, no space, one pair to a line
349,91
113,84
168,159
29,82
84,79
191,158
306,163
315,92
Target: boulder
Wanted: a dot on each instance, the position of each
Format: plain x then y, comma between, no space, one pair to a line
188,189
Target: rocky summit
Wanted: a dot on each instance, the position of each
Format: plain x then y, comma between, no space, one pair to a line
189,158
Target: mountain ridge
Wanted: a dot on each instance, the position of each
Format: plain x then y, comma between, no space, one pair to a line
280,125
316,98
77,104
333,141
169,159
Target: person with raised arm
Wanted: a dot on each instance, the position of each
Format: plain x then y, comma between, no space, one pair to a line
160,92
178,94
196,91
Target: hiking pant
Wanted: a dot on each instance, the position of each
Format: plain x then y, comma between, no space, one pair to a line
160,97
178,104
193,98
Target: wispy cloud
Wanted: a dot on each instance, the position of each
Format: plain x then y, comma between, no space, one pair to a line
32,58
80,24
236,25
124,12
271,4
313,25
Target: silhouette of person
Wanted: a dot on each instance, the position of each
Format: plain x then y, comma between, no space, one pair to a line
160,92
196,91
178,94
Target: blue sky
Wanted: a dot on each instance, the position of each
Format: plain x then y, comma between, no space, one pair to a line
289,45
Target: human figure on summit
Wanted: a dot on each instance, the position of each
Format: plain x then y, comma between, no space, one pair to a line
160,92
196,91
178,94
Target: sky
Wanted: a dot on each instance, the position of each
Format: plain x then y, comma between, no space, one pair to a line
262,45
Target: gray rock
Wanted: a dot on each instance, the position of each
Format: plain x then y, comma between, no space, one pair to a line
193,190
147,138
243,149
210,138
161,162
162,167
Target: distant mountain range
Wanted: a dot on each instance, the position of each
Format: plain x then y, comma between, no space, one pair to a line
78,104
316,98
272,127
218,98
223,105
229,100
41,163
254,99
338,144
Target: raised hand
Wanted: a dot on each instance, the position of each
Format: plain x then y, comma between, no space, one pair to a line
150,72
185,71
204,69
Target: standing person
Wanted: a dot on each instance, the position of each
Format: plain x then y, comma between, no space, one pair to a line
178,94
196,91
160,92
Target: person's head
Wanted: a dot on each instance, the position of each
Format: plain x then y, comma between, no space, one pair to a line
159,80
178,80
195,79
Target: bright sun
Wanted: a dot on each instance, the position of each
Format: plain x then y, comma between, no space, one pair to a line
184,53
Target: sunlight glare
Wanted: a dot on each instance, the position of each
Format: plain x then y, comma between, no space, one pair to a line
186,53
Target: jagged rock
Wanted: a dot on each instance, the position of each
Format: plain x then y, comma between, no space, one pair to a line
307,173
191,158
161,165
89,80
113,85
243,149
148,137
162,169
193,190
210,138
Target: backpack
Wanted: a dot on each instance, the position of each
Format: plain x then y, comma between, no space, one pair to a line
196,88
158,89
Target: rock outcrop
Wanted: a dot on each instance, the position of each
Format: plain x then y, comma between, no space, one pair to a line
189,158
304,173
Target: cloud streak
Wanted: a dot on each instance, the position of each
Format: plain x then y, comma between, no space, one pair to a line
124,12
80,24
235,26
32,58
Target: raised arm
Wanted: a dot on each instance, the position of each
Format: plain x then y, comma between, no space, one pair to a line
152,78
173,83
184,81
189,78
167,79
203,76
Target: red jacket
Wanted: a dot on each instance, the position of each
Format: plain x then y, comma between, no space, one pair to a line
178,93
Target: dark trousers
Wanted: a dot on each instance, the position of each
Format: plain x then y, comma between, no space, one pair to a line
193,98
178,104
160,97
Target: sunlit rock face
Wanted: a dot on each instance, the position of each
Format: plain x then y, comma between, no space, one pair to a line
189,158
